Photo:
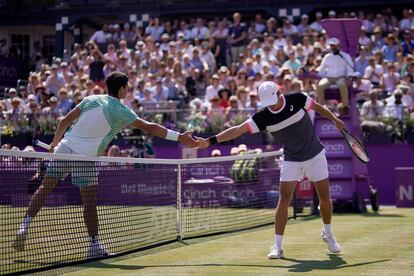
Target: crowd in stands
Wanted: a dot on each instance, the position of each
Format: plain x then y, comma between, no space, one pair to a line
207,72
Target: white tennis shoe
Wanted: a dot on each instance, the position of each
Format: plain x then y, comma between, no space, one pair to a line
20,241
330,240
275,252
97,250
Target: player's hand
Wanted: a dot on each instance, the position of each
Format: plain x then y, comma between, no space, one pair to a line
53,145
187,139
202,143
340,125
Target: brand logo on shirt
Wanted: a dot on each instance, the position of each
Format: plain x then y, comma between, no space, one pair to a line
291,108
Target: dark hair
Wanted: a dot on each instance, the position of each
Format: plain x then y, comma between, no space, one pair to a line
115,81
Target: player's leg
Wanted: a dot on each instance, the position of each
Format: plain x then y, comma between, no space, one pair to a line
85,177
290,173
90,214
316,170
285,196
36,203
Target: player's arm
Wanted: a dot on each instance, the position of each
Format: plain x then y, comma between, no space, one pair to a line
162,132
325,112
63,126
226,135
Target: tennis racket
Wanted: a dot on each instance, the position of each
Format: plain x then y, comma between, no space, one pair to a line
41,144
356,146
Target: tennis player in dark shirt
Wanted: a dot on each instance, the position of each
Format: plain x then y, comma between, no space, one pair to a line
286,118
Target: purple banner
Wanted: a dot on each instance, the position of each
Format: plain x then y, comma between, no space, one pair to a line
404,184
341,189
340,168
326,129
337,148
9,71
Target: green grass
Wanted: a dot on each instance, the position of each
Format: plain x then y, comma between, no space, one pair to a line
372,244
58,234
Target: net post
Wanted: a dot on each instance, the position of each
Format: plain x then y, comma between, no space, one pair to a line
180,234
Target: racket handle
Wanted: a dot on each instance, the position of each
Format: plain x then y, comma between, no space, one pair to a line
41,144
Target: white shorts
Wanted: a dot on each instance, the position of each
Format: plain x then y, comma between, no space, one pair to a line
315,169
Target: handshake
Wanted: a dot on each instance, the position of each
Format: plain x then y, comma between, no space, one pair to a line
187,139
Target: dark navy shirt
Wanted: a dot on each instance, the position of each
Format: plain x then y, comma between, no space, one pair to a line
291,127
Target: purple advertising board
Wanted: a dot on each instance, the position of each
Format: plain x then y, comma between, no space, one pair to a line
326,129
9,70
336,148
201,184
404,187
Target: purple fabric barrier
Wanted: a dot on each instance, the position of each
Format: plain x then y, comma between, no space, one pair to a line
346,30
9,70
404,193
148,187
384,160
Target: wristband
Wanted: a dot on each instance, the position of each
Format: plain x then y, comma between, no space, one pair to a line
172,135
213,140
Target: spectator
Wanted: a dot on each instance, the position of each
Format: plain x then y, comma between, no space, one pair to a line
127,34
407,44
52,109
304,25
208,57
293,63
361,62
55,81
390,49
373,72
216,153
363,39
390,79
258,27
199,31
224,95
237,35
242,97
154,29
289,29
395,108
408,21
335,67
12,95
212,90
96,66
160,91
254,103
372,109
100,35
316,25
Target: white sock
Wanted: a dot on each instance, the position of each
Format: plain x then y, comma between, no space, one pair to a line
327,228
93,239
24,227
278,240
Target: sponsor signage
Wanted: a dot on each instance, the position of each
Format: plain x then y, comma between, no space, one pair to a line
336,148
340,168
341,189
404,185
326,129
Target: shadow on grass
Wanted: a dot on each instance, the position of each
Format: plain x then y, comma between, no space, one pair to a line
334,262
382,215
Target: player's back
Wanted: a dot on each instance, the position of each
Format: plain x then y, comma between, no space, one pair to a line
100,120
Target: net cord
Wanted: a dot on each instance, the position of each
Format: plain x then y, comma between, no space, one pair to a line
73,157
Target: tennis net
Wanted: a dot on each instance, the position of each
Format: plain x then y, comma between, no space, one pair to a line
140,203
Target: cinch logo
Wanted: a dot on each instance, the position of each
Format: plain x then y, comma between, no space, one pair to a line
406,193
328,127
335,168
335,147
336,189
